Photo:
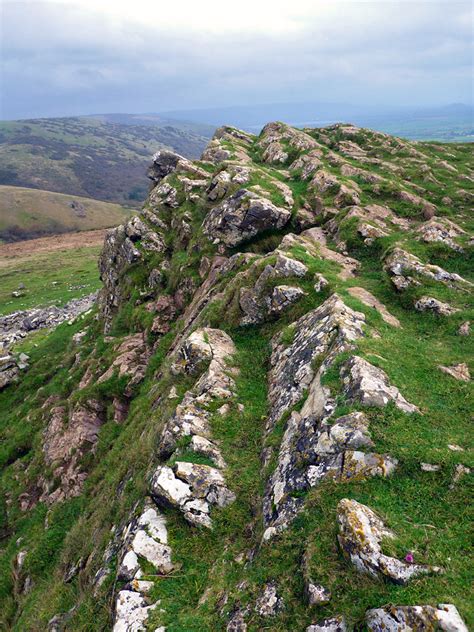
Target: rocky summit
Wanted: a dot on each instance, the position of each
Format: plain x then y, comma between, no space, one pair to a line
263,421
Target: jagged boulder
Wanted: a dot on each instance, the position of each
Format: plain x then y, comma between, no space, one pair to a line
361,533
365,383
415,619
401,265
430,304
119,252
191,488
333,624
166,162
329,329
243,216
263,301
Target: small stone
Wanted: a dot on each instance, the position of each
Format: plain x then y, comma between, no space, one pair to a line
459,472
317,594
269,603
455,448
173,394
465,329
320,282
458,371
429,467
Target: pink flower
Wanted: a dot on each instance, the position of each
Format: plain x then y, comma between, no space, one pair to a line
409,557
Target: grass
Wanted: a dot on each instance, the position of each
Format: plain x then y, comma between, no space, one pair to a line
49,278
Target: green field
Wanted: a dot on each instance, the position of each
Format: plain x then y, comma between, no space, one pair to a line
49,277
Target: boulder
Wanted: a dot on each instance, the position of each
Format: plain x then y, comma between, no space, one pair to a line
458,371
269,603
361,533
243,216
365,383
400,265
333,624
430,304
131,611
415,619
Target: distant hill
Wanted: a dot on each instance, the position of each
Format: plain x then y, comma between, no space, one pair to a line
28,213
453,122
102,157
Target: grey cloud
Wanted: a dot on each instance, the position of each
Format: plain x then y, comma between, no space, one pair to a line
65,60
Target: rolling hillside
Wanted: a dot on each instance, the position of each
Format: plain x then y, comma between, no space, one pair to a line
99,157
28,213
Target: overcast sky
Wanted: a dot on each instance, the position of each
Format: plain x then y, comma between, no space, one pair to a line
71,57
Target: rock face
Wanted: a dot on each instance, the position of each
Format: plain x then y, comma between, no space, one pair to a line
243,216
328,330
407,618
123,246
68,437
360,535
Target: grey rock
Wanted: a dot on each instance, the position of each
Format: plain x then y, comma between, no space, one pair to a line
430,304
243,216
361,532
415,618
269,603
365,383
334,624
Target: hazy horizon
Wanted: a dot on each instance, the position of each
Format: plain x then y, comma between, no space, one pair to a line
76,58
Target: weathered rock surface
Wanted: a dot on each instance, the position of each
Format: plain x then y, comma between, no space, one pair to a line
361,533
269,603
371,301
11,367
119,252
415,618
430,304
191,418
402,265
367,384
334,624
458,371
243,216
68,436
328,330
131,362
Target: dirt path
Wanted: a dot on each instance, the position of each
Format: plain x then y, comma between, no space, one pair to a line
65,241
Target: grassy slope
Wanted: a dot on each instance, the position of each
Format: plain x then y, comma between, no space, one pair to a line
430,517
27,213
87,156
49,277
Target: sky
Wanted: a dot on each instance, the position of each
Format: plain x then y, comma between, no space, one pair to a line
67,57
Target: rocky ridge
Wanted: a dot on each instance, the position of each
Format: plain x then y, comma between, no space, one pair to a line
240,424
